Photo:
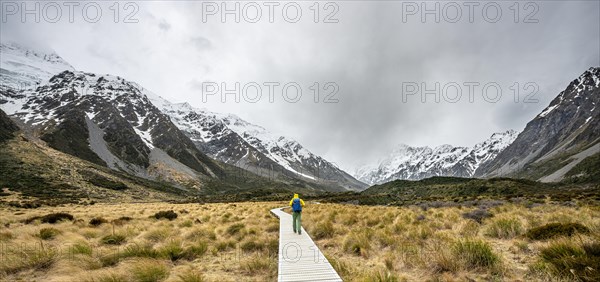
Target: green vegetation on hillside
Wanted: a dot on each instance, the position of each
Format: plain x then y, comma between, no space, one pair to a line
588,170
440,190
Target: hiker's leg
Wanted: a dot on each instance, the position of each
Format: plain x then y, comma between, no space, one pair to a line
299,227
294,216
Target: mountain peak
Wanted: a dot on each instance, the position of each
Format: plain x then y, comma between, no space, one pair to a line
24,67
567,125
414,163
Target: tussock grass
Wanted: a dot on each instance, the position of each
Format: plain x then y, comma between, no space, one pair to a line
553,230
158,235
108,277
38,257
149,271
572,259
191,276
259,264
358,242
505,228
235,228
6,236
195,250
381,276
173,250
82,248
363,243
140,251
323,229
48,233
114,239
475,254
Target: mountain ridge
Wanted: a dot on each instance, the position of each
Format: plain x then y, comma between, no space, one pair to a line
415,163
568,126
129,128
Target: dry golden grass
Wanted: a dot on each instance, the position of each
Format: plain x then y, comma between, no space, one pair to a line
210,242
411,244
239,241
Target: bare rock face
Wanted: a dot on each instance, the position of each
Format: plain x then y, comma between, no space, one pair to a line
131,125
568,126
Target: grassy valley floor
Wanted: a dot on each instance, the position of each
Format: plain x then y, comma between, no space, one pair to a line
239,242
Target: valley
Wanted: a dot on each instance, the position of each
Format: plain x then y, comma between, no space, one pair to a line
102,179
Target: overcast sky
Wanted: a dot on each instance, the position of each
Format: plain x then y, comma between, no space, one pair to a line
373,52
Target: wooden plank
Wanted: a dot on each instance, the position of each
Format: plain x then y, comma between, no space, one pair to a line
299,258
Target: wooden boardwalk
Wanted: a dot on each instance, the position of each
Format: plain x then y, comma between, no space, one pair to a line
299,258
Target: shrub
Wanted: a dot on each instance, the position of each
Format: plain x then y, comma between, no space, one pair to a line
552,230
114,239
170,215
97,221
323,230
235,228
566,259
48,233
50,218
475,254
478,215
149,271
505,228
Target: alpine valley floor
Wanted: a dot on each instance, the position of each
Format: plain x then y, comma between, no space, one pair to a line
539,240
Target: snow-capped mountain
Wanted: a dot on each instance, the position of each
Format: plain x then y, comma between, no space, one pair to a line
117,123
556,140
24,68
414,163
109,121
228,138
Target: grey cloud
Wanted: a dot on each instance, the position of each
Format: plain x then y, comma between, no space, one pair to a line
200,42
164,25
369,54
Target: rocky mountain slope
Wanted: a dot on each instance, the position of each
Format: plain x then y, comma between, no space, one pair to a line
33,174
108,121
414,163
117,123
230,139
564,134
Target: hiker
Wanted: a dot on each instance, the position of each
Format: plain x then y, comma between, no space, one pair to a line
296,203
